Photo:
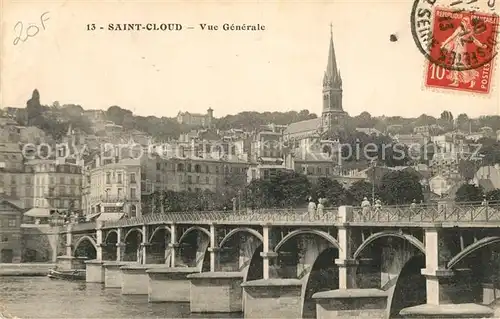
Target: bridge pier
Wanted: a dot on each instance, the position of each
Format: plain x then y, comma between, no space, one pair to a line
442,289
216,292
351,303
94,271
169,284
112,274
276,298
266,296
135,280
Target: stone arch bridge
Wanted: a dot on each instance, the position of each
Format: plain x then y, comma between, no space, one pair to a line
389,262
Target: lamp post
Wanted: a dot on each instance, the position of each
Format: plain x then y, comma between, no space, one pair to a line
239,200
373,165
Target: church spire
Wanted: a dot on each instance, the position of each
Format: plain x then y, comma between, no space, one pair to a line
333,114
332,77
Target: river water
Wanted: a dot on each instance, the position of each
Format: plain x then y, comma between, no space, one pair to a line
41,297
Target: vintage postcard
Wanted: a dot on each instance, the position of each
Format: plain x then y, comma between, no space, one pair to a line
249,159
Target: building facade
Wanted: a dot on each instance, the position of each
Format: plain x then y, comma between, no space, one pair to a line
56,184
10,232
194,119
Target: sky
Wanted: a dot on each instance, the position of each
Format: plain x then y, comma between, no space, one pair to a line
279,69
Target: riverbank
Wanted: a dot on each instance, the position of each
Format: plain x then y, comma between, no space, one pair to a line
25,269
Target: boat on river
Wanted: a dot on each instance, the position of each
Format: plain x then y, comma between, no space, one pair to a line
74,274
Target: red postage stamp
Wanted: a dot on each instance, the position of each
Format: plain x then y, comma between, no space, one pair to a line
462,52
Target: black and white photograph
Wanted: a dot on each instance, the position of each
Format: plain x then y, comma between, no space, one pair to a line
249,159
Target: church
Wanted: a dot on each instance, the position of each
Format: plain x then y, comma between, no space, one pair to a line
310,146
333,116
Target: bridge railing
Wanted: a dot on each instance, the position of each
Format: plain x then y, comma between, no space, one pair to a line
257,216
438,212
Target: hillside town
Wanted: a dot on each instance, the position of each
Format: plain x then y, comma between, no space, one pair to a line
111,164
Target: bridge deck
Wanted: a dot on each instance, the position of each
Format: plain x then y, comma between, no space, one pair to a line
478,215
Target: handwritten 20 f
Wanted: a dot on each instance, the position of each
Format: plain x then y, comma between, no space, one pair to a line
32,30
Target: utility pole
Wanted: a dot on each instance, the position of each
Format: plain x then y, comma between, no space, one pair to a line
373,165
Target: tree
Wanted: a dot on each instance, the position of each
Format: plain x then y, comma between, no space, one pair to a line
424,120
357,191
446,116
467,169
400,187
33,107
463,122
469,193
117,114
293,188
493,195
284,190
331,190
490,151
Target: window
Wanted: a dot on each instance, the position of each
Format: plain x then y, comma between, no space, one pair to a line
61,180
327,170
108,178
12,223
207,169
197,179
158,178
207,180
189,167
13,191
119,178
190,180
132,178
158,166
266,174
132,193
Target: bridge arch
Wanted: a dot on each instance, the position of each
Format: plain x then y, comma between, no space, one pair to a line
157,229
81,239
410,238
193,228
109,233
410,287
241,229
317,270
297,232
471,249
110,249
131,231
88,250
194,243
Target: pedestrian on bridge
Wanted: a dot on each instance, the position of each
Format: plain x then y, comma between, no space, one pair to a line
321,207
311,208
413,204
365,208
485,201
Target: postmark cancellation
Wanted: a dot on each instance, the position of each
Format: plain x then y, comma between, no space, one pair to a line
460,46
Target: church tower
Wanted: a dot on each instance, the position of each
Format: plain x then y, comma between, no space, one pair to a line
333,115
